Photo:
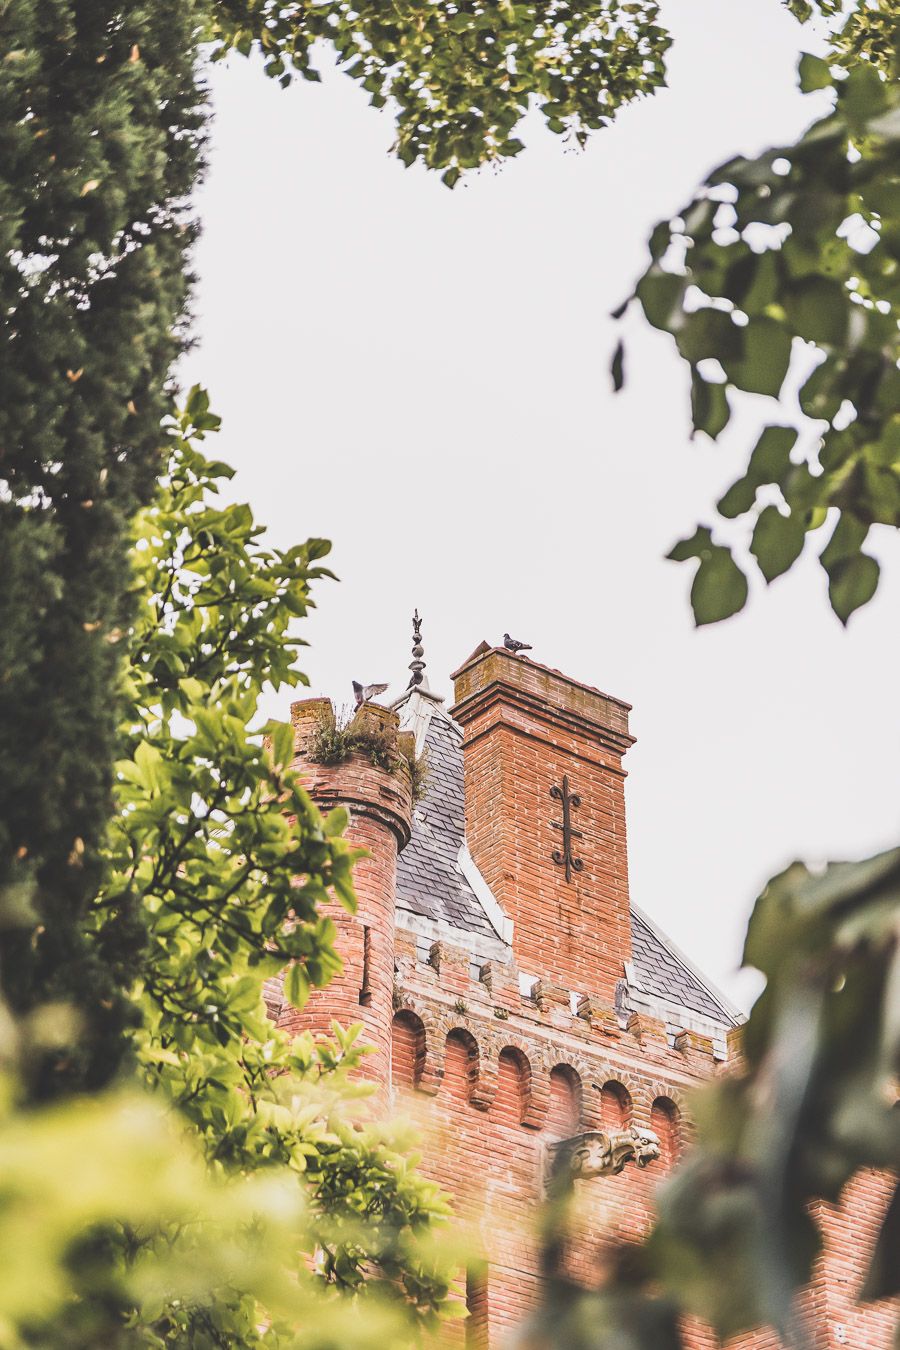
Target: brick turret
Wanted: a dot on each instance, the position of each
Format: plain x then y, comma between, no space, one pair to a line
540,752
379,801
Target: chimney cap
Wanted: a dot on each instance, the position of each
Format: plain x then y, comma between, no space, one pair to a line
484,649
493,676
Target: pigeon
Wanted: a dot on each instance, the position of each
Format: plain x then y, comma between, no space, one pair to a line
363,692
512,645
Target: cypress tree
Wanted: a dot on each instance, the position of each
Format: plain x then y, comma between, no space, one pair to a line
101,132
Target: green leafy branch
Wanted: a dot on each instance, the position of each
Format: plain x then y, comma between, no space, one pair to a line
859,31
790,264
460,77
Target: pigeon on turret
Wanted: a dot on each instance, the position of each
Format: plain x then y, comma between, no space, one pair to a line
363,692
512,645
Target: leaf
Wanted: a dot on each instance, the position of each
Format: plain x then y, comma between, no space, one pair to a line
617,368
777,542
739,498
814,73
660,292
296,985
282,738
336,822
847,538
697,546
770,459
852,582
149,764
709,406
852,574
770,462
708,333
719,589
197,404
765,359
818,310
863,95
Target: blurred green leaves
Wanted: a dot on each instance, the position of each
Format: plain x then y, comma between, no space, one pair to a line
813,1106
117,1164
809,1105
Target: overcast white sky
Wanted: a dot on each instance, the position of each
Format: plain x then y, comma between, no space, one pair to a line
421,376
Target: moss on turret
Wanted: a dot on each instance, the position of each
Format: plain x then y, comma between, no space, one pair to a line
335,738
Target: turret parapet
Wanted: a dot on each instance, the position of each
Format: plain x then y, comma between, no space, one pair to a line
363,764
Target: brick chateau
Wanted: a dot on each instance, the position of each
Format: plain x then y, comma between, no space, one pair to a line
516,998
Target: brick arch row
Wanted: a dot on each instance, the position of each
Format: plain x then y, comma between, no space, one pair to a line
436,1050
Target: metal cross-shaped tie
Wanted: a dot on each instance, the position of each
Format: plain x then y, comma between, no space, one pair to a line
569,800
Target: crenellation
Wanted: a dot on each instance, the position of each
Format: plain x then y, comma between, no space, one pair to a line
693,1044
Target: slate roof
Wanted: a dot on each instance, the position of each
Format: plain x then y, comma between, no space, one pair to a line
429,881
660,971
431,885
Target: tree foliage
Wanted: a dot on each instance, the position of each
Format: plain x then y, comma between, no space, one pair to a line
782,266
461,76
116,1232
858,31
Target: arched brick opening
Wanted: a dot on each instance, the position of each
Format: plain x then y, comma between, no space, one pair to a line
665,1121
615,1106
460,1064
407,1048
513,1087
564,1107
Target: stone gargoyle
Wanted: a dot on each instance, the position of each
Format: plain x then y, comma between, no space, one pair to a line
598,1154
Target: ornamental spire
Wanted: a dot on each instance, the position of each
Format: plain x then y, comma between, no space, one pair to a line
417,665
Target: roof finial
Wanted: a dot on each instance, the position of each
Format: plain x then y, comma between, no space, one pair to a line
417,665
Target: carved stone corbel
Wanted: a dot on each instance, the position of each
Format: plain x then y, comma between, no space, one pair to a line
596,1153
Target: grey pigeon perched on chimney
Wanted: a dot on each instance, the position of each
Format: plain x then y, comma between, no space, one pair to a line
512,645
363,692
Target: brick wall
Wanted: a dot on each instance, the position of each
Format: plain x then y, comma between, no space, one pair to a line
490,1093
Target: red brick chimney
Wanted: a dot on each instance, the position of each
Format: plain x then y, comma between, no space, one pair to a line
545,814
380,806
